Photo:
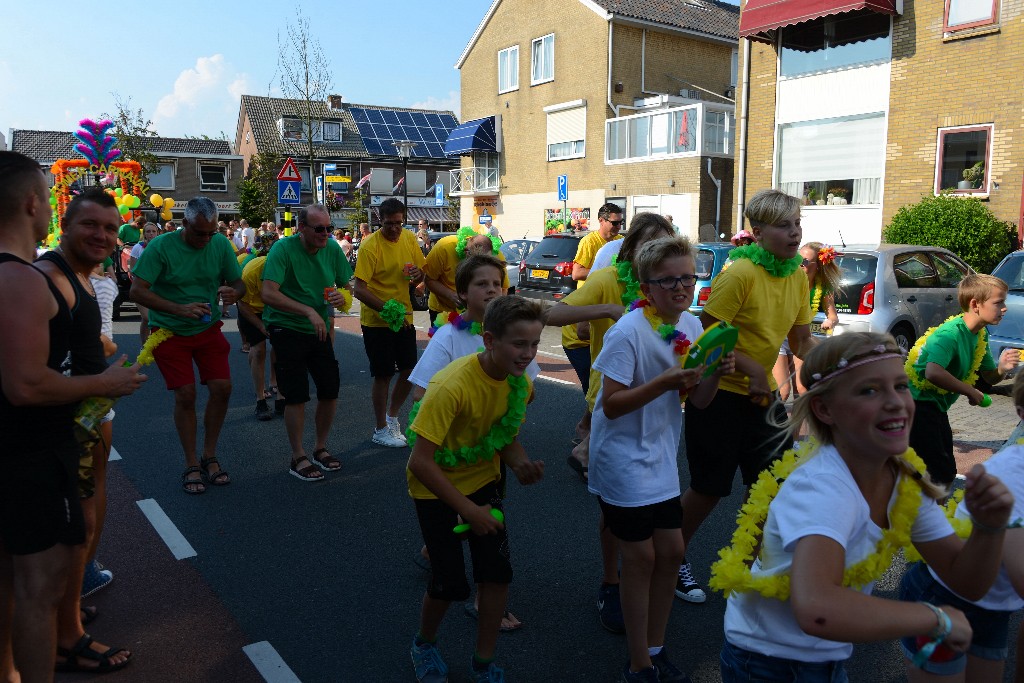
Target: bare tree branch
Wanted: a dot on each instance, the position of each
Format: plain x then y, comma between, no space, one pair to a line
305,75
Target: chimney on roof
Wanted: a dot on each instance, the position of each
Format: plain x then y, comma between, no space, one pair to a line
334,101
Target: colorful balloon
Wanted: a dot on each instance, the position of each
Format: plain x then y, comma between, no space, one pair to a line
156,200
168,202
119,192
122,209
166,214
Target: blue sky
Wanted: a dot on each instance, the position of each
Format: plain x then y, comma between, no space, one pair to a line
186,63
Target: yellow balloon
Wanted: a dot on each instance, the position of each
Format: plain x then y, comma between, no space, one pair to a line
156,200
168,202
127,200
166,214
118,200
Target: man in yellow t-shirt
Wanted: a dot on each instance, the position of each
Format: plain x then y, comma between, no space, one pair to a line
464,403
445,256
389,261
254,332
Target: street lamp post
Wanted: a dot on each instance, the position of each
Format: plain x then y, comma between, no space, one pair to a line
405,151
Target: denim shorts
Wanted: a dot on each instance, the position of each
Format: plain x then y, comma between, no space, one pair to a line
743,666
991,627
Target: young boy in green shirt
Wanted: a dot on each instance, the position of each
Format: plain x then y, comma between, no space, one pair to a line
946,362
470,413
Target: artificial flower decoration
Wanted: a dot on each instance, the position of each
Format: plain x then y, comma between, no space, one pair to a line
767,260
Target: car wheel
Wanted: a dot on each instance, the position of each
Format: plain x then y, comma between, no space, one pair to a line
904,336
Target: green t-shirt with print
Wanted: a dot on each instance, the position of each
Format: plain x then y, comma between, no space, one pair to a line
952,345
185,275
303,277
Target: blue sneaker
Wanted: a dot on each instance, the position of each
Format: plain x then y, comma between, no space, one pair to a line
95,579
609,608
648,675
426,660
667,671
492,674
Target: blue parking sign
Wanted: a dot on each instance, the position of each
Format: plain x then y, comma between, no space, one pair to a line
563,188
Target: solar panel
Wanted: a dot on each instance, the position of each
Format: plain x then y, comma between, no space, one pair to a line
381,128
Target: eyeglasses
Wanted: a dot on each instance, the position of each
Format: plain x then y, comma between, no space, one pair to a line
392,224
670,283
200,233
618,222
319,228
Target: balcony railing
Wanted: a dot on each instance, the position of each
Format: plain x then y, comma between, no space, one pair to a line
474,180
699,129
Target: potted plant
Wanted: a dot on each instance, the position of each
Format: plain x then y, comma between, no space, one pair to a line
973,177
813,197
837,195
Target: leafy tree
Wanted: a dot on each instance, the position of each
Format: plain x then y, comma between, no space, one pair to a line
134,131
357,205
964,225
305,75
257,193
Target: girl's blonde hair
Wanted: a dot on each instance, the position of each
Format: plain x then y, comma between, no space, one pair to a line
829,276
826,357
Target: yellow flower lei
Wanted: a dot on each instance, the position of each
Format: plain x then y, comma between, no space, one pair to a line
915,353
816,293
962,527
731,573
154,340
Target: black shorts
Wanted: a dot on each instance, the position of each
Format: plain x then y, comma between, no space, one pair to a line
638,524
731,432
490,553
299,354
390,352
39,499
251,334
932,438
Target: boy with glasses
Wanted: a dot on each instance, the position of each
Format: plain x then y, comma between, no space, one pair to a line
389,261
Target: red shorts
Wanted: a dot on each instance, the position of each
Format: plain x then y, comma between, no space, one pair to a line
209,350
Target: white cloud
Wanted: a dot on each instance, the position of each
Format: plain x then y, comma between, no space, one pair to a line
204,99
453,102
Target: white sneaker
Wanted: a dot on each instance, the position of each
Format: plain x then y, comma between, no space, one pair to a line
384,437
396,430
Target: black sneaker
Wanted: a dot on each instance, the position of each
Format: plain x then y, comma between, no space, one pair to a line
667,671
687,587
648,675
279,407
609,608
263,411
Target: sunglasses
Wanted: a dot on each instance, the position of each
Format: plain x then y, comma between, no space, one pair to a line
618,222
319,228
200,233
806,262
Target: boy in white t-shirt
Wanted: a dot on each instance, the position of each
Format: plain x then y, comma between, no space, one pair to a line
634,442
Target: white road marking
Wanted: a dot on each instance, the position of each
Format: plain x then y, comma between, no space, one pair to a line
174,539
114,455
269,663
555,379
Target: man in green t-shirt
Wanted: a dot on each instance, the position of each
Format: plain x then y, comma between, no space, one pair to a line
179,278
301,277
131,233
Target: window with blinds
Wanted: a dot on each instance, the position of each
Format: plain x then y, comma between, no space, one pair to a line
567,130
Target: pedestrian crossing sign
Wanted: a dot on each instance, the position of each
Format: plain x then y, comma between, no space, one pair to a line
288,191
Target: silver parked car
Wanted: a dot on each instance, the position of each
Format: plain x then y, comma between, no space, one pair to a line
514,252
901,289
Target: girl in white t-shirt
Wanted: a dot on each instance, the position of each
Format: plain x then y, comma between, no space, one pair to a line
853,499
990,616
477,281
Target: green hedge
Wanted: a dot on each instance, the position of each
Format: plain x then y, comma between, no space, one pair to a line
964,225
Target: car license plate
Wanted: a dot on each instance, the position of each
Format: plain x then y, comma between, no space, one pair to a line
540,274
816,328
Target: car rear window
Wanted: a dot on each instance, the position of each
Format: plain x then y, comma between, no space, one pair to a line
858,271
705,260
556,247
1010,272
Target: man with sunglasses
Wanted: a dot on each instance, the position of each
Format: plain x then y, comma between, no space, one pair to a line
301,277
179,278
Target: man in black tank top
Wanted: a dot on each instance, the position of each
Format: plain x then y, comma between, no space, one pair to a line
40,515
89,234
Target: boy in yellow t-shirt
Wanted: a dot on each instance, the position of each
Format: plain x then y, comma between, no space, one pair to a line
389,261
478,398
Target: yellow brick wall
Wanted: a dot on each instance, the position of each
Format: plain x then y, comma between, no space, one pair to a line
761,118
939,82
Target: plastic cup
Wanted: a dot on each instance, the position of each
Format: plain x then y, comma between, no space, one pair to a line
327,293
407,269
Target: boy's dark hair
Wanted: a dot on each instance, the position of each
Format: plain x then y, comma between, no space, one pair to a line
978,287
469,266
505,311
1018,390
18,176
92,195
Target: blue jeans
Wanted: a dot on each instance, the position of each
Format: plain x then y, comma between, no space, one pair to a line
743,666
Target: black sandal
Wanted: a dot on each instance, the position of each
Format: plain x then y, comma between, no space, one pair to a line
325,460
307,473
81,650
218,478
199,486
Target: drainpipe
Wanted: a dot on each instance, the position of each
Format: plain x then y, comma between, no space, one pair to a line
718,201
742,185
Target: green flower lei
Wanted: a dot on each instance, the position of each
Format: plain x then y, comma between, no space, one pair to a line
393,314
502,433
464,234
624,274
767,260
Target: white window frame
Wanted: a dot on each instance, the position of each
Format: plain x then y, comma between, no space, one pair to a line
512,54
734,67
543,64
941,133
302,129
174,173
323,125
562,149
697,116
205,187
306,184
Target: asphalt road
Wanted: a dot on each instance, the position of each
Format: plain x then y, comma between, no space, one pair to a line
320,575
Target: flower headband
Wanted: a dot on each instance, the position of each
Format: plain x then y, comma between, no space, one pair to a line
877,353
827,254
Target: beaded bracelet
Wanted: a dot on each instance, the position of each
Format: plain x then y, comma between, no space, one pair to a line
938,635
